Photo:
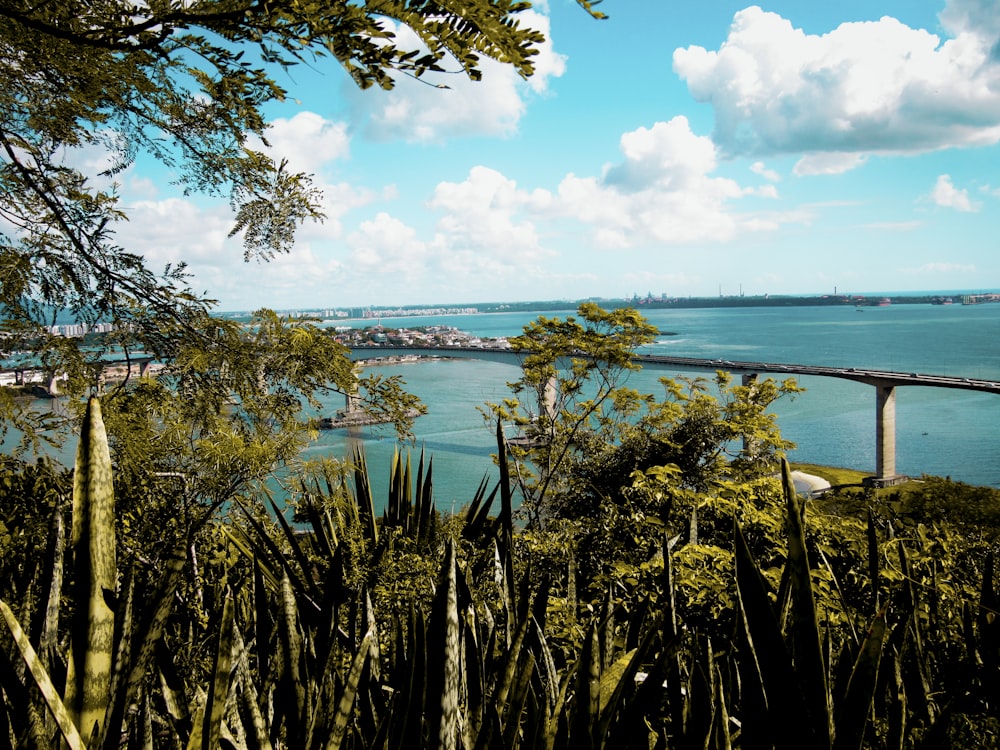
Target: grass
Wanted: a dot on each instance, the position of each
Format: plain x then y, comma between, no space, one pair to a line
835,476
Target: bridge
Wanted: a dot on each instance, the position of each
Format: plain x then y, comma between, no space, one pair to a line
114,369
885,383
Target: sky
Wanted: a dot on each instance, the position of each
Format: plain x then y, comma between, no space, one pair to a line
677,148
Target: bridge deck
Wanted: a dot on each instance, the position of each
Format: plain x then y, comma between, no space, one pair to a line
879,378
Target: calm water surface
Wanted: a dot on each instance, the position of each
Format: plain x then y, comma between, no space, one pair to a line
938,431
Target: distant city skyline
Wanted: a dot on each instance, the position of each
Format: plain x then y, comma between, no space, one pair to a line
390,310
789,147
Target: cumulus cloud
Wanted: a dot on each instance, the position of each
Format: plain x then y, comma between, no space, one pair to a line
871,87
419,111
946,195
828,163
483,237
482,220
979,16
307,141
176,229
662,192
311,143
387,245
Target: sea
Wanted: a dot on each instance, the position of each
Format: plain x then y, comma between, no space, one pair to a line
939,431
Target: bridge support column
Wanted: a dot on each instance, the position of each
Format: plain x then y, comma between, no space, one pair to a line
748,379
885,433
351,401
547,395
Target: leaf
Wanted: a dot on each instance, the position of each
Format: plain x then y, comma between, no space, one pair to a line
41,677
852,715
443,657
804,632
346,704
88,680
766,656
215,702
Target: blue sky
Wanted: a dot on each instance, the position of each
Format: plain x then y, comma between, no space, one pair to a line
678,148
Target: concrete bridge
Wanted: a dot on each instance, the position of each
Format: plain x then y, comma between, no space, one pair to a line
114,369
885,383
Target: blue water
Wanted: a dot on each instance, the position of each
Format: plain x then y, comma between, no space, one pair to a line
944,432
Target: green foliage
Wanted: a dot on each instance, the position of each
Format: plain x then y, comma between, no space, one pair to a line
94,557
741,617
185,83
570,386
591,432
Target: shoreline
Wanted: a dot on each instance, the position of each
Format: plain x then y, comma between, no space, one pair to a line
858,299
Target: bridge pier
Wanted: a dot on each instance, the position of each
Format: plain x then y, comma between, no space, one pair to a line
885,438
748,379
547,395
352,401
885,431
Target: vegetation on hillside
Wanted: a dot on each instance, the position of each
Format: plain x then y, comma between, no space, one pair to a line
664,586
185,84
682,607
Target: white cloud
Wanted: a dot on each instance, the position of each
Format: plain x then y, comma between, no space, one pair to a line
141,187
764,191
978,16
482,240
873,87
758,167
307,141
828,163
338,199
931,269
419,111
662,193
174,230
482,220
946,195
386,245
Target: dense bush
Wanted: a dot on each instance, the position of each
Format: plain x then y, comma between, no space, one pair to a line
716,619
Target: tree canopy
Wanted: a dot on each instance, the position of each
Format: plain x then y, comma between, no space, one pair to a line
583,429
184,82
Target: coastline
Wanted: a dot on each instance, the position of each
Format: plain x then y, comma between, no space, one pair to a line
858,299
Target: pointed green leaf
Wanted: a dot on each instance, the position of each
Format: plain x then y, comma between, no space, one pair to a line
88,678
41,677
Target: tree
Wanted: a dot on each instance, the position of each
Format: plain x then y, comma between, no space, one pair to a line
185,82
570,390
591,431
